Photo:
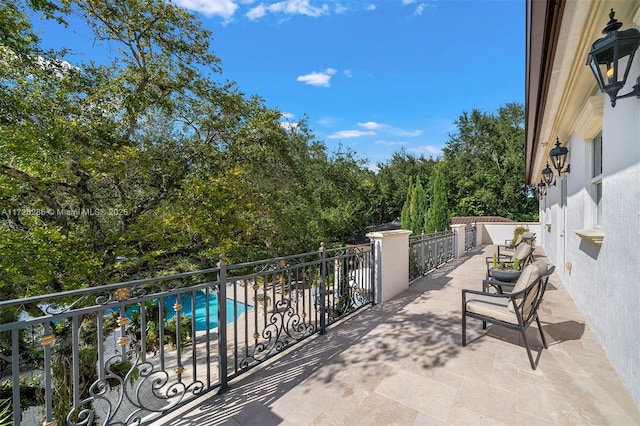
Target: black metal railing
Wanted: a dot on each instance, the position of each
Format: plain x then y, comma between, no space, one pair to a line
470,237
427,252
126,353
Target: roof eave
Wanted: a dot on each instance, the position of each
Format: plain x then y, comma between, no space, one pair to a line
543,18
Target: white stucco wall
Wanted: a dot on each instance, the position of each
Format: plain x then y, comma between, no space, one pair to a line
604,280
499,232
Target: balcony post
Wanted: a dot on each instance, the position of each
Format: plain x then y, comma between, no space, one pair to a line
391,265
423,267
458,240
222,324
323,284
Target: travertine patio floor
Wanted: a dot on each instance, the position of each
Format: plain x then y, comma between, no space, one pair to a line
402,363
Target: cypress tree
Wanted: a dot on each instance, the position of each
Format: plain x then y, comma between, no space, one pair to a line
437,217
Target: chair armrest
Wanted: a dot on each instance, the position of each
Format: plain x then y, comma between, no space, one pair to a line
503,258
503,247
497,284
484,293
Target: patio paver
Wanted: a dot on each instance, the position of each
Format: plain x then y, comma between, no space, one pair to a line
402,363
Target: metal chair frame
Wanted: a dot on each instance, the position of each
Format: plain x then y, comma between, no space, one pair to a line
524,319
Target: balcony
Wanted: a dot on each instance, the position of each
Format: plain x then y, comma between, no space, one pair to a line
401,362
311,348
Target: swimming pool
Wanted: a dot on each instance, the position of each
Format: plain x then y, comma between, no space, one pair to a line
201,309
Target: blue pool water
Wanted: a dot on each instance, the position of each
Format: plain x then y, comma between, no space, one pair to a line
201,309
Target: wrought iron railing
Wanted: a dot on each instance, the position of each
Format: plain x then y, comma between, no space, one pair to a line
126,353
470,237
427,252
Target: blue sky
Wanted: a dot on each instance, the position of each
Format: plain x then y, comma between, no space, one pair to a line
374,76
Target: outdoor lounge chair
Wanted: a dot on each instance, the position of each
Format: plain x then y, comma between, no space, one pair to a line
527,237
515,310
523,252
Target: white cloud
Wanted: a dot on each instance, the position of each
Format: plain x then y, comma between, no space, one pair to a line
347,73
326,122
390,143
287,125
257,12
340,8
302,7
224,8
321,78
348,134
407,133
427,149
408,1
297,7
420,9
373,167
372,125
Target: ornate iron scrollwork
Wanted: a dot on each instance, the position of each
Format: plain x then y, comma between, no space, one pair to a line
141,393
285,326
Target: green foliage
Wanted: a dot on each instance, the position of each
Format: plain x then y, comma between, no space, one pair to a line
62,364
484,160
392,181
149,165
415,208
437,216
121,369
31,393
171,336
16,31
517,231
6,413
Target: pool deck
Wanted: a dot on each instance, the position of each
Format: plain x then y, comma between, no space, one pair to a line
402,363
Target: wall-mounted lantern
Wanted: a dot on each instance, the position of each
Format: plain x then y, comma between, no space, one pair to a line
542,189
547,176
559,158
610,59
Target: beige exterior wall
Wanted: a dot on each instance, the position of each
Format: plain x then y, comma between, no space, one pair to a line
599,265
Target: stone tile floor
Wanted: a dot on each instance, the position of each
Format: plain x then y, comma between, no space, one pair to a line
402,363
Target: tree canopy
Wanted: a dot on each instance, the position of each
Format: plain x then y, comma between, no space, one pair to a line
437,216
485,165
154,164
149,164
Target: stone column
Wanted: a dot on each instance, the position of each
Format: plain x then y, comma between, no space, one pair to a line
458,240
391,269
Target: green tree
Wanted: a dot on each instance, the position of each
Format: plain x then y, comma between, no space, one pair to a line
392,181
149,165
437,216
415,208
485,165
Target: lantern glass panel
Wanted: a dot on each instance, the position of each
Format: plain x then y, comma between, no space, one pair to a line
547,175
624,63
559,162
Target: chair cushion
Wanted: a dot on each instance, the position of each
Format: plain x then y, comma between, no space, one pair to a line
528,236
527,277
522,251
541,265
492,307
